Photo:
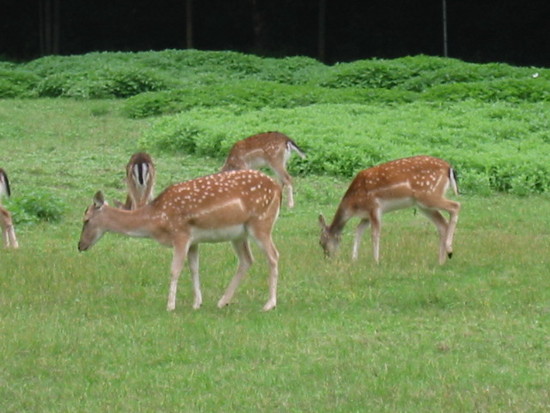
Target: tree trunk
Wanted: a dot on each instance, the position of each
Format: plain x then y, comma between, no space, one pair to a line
258,26
321,36
49,28
189,24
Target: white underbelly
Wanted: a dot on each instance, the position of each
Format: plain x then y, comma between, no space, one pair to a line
256,162
217,234
388,205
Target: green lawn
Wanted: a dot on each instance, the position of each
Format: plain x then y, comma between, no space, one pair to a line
89,331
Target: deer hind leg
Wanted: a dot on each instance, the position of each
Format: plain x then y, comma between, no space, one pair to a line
273,260
193,260
442,227
358,237
242,250
180,253
263,238
286,181
453,208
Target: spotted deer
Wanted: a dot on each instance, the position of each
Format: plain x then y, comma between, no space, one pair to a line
228,206
140,180
6,223
271,149
420,181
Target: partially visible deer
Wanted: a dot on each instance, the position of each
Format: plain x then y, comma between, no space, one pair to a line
228,206
6,223
272,149
140,180
420,181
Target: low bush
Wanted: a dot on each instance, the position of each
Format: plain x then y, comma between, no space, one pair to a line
510,90
497,147
420,73
121,75
17,83
254,95
108,83
35,207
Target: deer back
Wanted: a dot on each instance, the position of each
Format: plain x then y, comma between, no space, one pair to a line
223,199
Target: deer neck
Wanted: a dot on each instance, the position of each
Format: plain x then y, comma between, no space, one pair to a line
135,223
339,221
234,164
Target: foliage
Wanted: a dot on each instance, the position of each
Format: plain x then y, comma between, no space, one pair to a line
35,206
128,74
509,90
349,115
16,83
253,95
119,83
495,148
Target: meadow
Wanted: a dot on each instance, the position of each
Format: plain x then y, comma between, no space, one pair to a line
89,331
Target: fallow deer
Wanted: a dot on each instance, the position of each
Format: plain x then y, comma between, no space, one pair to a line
6,223
228,206
420,181
140,180
271,149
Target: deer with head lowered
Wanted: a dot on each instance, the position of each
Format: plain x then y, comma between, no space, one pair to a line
228,206
6,223
420,181
271,149
140,180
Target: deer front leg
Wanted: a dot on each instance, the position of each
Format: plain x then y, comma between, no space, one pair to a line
180,252
358,236
11,239
8,230
193,259
375,223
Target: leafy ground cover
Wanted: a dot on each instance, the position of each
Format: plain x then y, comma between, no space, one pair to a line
490,120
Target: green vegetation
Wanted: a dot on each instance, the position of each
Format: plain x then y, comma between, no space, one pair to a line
489,120
89,332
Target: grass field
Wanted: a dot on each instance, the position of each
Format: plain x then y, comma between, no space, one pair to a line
89,332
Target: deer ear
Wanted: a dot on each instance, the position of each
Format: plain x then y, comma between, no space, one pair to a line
322,222
99,199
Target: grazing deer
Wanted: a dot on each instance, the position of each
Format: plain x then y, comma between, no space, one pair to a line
228,206
6,223
420,181
140,179
272,149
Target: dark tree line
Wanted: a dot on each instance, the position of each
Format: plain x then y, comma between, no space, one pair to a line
343,30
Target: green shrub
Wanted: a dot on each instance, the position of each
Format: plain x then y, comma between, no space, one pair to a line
107,83
97,75
511,90
421,73
17,83
131,82
254,95
367,74
499,147
34,207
